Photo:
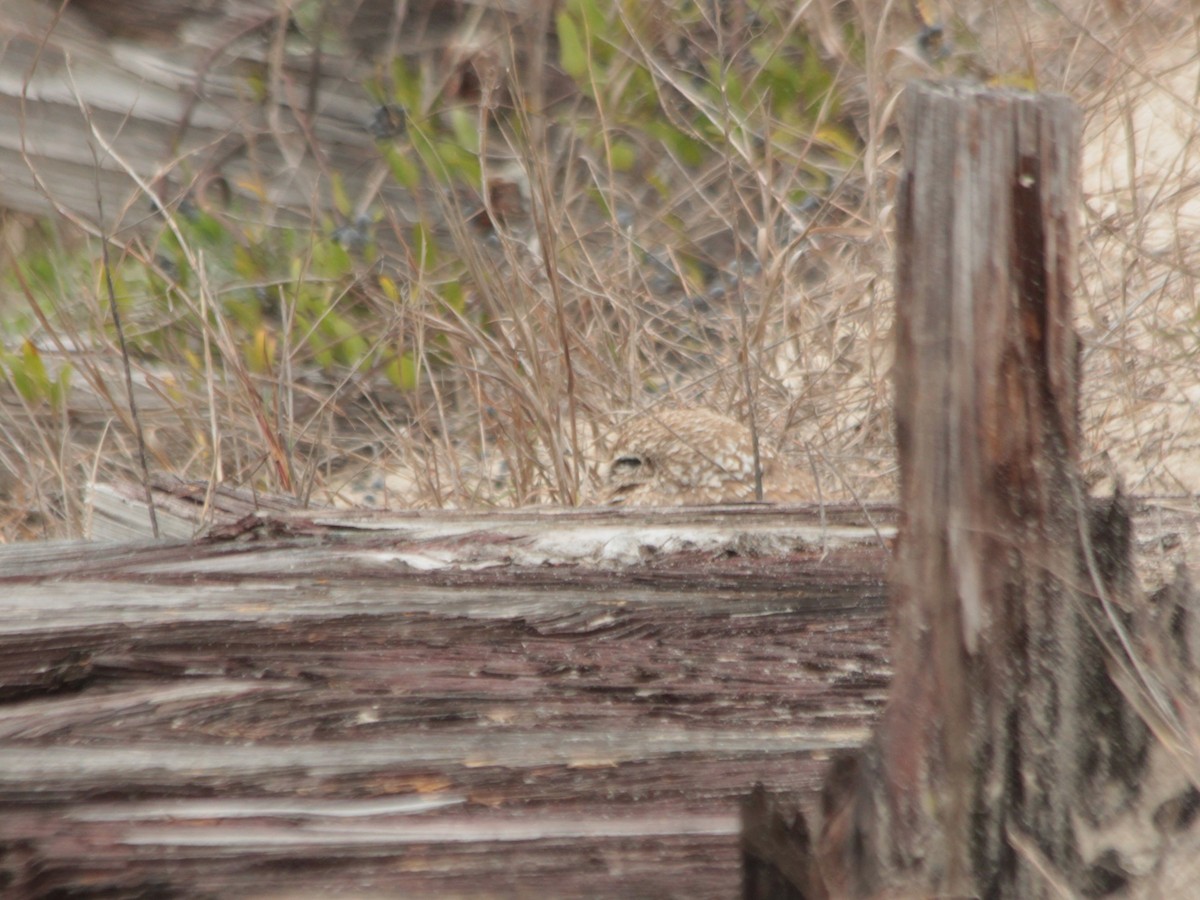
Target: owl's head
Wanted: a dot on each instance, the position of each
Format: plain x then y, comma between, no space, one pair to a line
685,456
628,470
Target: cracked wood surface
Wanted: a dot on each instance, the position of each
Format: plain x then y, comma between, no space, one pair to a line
429,704
303,702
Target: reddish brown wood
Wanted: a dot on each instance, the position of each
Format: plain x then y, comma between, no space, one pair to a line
541,702
1005,738
986,593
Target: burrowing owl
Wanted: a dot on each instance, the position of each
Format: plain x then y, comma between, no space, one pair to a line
678,457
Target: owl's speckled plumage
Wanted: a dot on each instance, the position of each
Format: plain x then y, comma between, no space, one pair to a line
680,457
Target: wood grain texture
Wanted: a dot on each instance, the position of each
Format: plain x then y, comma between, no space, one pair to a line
1018,744
291,707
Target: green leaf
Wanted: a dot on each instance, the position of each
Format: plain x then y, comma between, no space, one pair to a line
424,247
403,371
572,52
338,189
331,260
599,199
60,389
349,346
29,374
462,123
460,162
623,155
406,84
839,140
322,353
388,286
260,351
595,19
690,151
430,154
452,295
244,263
405,173
208,229
32,359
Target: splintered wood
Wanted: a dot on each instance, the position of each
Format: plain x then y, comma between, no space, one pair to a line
1017,750
308,703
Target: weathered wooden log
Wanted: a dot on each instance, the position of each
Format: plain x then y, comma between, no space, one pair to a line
986,732
313,703
1004,735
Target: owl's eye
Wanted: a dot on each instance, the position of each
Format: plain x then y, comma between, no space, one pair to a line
628,463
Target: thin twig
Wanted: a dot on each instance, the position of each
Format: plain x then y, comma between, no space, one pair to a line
128,368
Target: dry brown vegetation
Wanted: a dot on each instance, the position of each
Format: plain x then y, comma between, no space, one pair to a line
539,254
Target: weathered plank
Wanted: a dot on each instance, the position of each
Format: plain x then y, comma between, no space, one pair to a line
306,703
1030,735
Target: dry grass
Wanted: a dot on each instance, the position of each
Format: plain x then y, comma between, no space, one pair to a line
617,276
622,277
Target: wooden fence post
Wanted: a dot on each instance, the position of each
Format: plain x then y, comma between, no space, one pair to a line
1002,720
